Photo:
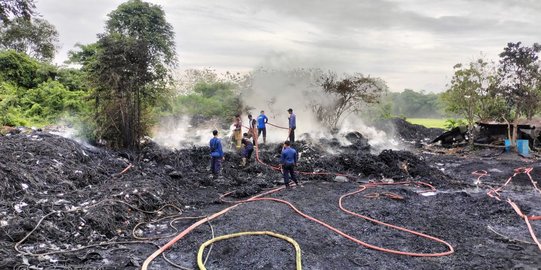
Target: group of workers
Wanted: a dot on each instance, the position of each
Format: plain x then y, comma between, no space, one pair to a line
247,141
260,125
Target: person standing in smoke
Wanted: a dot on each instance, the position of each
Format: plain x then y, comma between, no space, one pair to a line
216,154
251,131
292,125
247,150
237,131
261,121
288,160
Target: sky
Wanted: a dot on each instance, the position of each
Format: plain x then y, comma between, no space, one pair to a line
411,44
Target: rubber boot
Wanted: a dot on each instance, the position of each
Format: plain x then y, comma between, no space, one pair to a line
243,162
264,140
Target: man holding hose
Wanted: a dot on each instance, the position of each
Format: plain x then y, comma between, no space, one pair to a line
261,121
292,125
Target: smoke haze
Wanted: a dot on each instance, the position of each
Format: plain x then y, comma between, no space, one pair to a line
275,91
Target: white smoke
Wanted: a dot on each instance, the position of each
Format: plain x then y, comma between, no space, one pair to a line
379,140
275,91
179,132
65,128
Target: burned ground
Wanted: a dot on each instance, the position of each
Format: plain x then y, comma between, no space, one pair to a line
59,197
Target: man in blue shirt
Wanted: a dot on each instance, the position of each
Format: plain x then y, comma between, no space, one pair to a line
289,161
292,125
216,154
261,121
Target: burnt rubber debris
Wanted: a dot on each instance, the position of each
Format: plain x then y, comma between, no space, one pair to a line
69,205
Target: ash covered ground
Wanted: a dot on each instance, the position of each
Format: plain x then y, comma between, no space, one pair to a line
65,205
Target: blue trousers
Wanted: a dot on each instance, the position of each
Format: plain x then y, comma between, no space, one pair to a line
264,130
289,169
247,152
215,165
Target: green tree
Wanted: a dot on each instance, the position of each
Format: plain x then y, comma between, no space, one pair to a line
35,37
129,68
209,99
466,91
18,68
84,55
205,94
10,112
10,9
23,71
347,95
50,101
519,81
146,22
412,103
73,79
472,94
42,105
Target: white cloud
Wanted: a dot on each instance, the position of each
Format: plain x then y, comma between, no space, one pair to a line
410,44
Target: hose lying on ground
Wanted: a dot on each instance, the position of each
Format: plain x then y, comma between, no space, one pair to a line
298,260
362,188
341,233
495,193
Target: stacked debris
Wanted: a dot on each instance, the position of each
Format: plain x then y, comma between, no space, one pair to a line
407,131
76,195
453,136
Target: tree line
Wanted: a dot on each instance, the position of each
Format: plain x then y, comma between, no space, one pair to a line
121,78
124,82
507,91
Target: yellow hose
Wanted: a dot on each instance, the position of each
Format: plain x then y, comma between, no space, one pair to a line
228,236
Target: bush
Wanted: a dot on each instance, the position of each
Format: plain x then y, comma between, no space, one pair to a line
21,70
38,93
453,123
43,105
51,100
216,99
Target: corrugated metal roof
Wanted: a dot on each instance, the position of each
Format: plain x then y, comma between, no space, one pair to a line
523,123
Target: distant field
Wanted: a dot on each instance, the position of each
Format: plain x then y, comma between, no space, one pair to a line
428,122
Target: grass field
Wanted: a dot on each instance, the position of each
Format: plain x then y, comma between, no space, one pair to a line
428,122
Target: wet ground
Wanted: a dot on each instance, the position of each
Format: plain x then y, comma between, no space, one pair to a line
65,205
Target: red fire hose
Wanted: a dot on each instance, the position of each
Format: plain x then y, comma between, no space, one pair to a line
495,193
340,202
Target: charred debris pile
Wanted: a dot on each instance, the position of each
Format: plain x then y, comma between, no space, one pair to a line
57,194
492,134
408,132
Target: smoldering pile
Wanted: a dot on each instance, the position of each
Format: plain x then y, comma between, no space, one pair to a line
408,132
360,164
84,195
324,159
56,194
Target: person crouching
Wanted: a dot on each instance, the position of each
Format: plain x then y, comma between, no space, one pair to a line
248,148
